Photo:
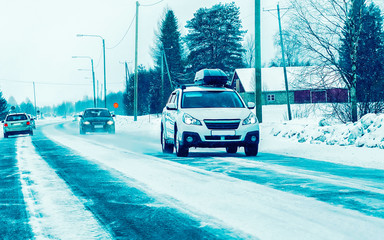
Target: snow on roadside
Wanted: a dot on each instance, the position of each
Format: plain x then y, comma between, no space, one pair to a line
150,123
367,132
55,213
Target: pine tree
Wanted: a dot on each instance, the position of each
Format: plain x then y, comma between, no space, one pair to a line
214,38
168,55
146,96
3,106
370,60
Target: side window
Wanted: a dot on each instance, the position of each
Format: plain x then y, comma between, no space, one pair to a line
175,99
171,98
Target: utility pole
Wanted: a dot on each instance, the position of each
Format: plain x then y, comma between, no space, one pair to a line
283,59
93,82
259,106
93,77
136,72
126,73
166,65
284,67
34,96
162,76
105,78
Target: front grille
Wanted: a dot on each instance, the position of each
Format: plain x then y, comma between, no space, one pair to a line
216,138
222,124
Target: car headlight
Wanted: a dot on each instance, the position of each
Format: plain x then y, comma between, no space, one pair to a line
110,122
189,120
86,123
251,119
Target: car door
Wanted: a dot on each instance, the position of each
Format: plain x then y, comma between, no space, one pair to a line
171,115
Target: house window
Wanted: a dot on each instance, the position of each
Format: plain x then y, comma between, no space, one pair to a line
271,97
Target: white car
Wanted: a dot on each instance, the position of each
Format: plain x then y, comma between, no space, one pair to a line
208,114
17,123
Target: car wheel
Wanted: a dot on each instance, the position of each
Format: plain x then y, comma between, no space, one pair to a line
231,149
82,132
111,131
251,149
166,147
5,135
31,133
181,150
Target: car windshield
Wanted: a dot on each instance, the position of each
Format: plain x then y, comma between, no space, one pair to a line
18,117
211,99
97,113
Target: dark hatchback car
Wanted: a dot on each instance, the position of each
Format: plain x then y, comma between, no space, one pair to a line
97,120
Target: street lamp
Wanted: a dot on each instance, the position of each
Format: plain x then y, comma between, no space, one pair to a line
105,83
93,77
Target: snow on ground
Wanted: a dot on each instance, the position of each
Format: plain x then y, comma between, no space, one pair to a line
367,132
264,213
55,213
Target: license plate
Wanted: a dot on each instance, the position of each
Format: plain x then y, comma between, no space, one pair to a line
99,126
223,133
16,124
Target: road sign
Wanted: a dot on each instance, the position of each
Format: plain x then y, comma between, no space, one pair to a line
115,105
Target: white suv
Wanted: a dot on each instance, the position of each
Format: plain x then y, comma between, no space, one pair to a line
208,114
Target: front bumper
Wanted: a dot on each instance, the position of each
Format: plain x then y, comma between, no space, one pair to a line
98,127
193,139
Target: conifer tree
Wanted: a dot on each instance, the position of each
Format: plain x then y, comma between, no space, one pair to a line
214,38
370,60
3,106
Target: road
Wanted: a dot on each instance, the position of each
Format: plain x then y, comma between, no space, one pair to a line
62,185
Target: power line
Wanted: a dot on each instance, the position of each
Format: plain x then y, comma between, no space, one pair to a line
153,4
125,34
45,83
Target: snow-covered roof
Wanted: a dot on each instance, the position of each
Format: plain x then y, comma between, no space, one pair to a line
299,78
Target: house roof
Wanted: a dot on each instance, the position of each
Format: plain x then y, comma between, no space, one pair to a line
299,78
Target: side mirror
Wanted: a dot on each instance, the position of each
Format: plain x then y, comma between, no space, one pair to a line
113,115
80,116
171,106
2,121
251,105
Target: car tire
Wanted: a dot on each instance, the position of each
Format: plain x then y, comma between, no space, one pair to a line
231,149
251,149
181,150
82,132
166,147
5,135
111,131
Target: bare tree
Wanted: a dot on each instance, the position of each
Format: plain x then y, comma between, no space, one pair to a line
292,49
320,26
249,54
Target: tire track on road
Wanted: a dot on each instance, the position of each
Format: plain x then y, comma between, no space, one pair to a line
122,208
353,188
13,215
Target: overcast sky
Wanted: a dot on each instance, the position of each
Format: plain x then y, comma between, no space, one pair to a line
38,40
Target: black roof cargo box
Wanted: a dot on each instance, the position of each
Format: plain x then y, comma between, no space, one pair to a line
211,77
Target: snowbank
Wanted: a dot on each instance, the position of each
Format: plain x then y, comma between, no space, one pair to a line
367,132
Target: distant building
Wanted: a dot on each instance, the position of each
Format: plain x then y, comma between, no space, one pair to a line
305,86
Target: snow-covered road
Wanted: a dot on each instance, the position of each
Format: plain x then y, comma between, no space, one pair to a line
121,186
